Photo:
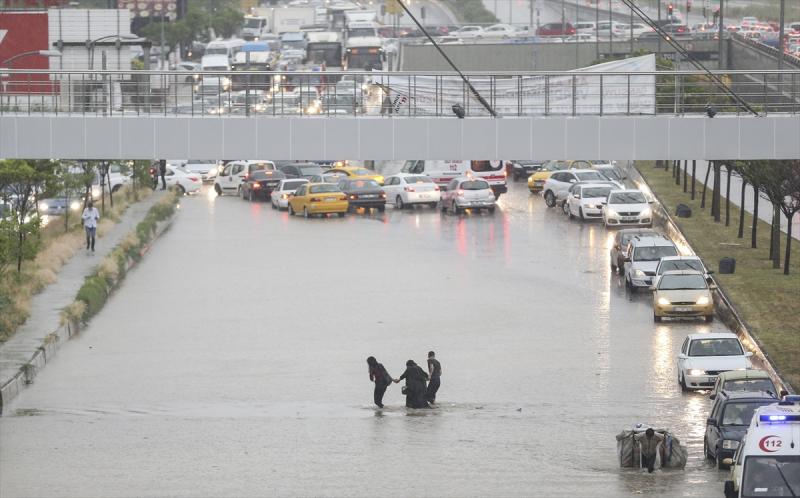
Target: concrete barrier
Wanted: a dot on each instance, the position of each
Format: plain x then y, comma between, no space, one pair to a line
723,306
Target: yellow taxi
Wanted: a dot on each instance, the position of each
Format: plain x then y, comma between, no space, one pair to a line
357,173
537,179
318,198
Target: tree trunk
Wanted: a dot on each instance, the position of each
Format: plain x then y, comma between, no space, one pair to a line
754,227
694,177
728,197
20,242
717,195
741,211
775,242
705,187
788,245
685,168
677,172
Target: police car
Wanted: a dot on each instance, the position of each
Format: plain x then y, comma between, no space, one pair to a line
767,463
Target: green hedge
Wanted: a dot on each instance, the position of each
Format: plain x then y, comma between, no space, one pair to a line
471,11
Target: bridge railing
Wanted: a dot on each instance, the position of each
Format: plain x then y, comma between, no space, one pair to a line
410,94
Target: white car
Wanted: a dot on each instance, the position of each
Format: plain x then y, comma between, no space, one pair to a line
686,263
704,356
279,197
467,193
471,32
406,189
560,181
504,31
627,207
586,200
230,179
206,168
581,38
587,27
641,259
185,181
638,29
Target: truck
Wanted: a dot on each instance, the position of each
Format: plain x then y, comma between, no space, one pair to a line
254,27
324,47
277,20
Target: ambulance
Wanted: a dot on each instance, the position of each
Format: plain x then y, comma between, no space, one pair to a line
767,462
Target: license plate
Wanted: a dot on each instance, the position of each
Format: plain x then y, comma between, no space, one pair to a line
331,199
369,196
423,196
683,309
629,218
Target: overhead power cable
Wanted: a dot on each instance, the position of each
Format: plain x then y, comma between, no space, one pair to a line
679,48
472,89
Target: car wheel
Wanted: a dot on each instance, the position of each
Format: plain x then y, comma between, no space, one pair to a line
720,465
565,208
291,210
433,205
706,454
709,318
251,196
620,268
550,199
218,190
569,213
305,212
116,189
656,318
382,208
682,383
491,210
398,203
341,215
580,213
454,208
181,190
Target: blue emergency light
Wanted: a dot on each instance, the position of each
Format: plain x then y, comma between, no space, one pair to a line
779,418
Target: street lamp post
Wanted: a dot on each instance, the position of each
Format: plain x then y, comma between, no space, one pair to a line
8,63
90,44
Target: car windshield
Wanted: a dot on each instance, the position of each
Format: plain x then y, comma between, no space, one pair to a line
678,282
363,172
310,170
363,185
611,174
590,176
484,166
715,347
741,413
653,253
334,178
771,476
749,385
261,166
681,264
627,198
474,185
293,185
418,179
595,192
323,189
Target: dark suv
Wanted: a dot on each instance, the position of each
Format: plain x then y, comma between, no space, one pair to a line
728,422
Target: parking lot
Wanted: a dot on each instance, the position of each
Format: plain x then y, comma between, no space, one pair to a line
545,356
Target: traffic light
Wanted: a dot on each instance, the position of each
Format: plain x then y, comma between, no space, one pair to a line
688,7
716,15
669,9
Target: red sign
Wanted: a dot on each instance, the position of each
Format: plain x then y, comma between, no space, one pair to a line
22,32
770,444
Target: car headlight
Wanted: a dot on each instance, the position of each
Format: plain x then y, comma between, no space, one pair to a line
611,213
646,212
702,300
663,301
696,371
730,444
75,205
638,273
43,206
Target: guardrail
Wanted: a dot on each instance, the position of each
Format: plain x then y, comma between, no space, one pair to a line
357,93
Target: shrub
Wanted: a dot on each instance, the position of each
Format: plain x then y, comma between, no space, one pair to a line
94,294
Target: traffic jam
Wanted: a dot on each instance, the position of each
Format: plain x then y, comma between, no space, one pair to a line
753,425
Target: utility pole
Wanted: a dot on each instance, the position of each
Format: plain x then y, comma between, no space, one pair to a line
163,54
610,31
563,18
658,49
721,32
597,28
530,15
781,47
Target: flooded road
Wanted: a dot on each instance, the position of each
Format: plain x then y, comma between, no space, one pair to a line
232,362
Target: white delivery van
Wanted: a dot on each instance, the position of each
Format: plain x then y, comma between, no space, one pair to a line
767,462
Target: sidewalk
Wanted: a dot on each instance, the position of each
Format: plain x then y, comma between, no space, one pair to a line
47,305
764,206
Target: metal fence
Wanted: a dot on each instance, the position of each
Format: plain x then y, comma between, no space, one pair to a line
334,94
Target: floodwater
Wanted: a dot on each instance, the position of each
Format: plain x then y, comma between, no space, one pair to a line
232,363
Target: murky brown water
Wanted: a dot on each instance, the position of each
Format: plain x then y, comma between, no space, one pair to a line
232,363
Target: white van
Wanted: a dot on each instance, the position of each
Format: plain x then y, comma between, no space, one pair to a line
228,48
230,179
443,171
767,462
217,83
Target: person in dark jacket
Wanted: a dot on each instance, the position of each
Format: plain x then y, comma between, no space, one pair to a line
415,378
162,172
435,370
381,378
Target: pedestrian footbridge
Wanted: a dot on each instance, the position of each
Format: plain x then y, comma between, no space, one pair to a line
636,115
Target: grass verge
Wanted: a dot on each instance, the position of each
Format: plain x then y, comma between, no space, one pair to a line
471,11
767,300
111,271
59,245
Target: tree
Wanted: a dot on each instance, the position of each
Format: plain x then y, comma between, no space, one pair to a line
20,231
755,173
787,175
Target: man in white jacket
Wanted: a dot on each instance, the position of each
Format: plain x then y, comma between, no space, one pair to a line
90,218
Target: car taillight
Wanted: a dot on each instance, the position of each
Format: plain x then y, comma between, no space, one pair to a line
353,196
256,185
436,188
461,193
409,189
193,179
